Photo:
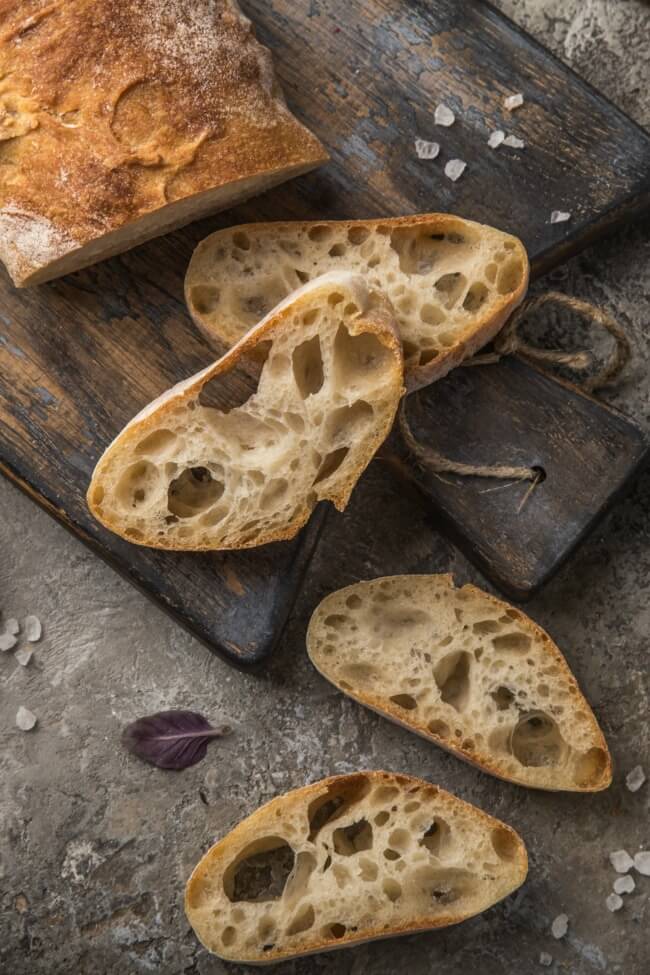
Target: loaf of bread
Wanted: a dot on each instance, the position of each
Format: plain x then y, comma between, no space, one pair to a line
452,283
468,672
123,119
349,859
239,454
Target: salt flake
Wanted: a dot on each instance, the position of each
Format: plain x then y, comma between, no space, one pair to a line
642,863
443,116
33,629
624,885
614,903
560,216
513,142
560,926
455,169
545,959
496,138
25,719
7,641
426,150
621,861
23,656
12,626
635,779
513,101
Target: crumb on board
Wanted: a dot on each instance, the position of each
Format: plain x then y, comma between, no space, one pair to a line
426,150
443,115
560,926
455,169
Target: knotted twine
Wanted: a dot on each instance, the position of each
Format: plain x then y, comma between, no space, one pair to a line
509,342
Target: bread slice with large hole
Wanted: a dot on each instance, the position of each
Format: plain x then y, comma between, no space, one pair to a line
468,672
453,283
349,859
239,454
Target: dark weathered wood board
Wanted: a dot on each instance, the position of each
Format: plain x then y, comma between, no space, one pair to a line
82,355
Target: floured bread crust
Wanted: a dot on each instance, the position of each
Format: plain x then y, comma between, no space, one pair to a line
121,119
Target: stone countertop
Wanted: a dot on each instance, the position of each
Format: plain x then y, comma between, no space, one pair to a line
95,847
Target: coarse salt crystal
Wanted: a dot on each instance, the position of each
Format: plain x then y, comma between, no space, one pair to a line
560,926
25,719
455,169
23,656
443,115
33,629
496,138
614,903
621,861
560,216
635,779
7,641
12,626
426,150
642,863
513,142
513,101
624,885
545,959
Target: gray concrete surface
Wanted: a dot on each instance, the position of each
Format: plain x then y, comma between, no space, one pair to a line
95,847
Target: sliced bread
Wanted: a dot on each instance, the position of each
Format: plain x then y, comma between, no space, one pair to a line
239,454
349,859
453,283
465,670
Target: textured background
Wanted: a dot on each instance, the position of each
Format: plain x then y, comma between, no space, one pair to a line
95,847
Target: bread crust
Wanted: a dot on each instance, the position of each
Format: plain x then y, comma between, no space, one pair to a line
127,118
375,318
248,830
472,338
386,708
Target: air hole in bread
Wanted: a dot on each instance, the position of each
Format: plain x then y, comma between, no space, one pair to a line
228,936
417,250
412,806
509,276
432,314
319,233
335,931
194,491
392,889
138,484
331,464
134,533
391,854
491,272
352,839
502,697
353,601
517,642
400,839
337,250
405,701
308,367
338,800
357,235
358,358
303,920
297,882
336,621
341,875
505,844
260,872
348,422
368,869
452,677
536,740
428,355
360,673
382,818
335,298
475,297
436,837
274,492
451,286
241,240
483,627
590,768
157,444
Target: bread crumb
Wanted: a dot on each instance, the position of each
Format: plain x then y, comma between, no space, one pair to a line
545,959
560,926
621,861
513,101
624,885
443,116
614,903
25,719
33,629
642,862
426,150
559,216
455,169
635,779
23,656
496,138
514,142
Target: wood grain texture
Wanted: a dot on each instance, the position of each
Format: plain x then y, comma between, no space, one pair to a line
79,356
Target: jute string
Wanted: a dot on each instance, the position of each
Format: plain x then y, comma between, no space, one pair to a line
508,342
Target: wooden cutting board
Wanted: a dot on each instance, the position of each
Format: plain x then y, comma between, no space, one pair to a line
79,356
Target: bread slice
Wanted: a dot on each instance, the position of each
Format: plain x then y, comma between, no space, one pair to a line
349,859
122,121
239,454
453,283
466,671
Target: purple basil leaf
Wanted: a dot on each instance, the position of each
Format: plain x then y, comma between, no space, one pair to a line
171,739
